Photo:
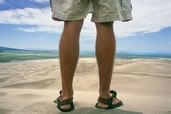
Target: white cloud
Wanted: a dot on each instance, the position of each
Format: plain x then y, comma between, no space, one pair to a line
40,1
149,16
1,1
169,42
40,19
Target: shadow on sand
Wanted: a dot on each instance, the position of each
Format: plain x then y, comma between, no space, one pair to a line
89,110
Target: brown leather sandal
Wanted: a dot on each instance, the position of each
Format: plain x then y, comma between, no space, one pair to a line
109,101
60,103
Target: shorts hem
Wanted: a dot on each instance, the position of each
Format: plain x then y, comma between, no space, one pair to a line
111,18
66,18
61,17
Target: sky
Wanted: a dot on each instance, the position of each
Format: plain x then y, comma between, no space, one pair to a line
27,24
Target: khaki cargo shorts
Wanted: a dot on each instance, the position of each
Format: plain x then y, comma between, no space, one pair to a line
102,10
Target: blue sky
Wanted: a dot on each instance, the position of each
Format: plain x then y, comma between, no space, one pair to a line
28,25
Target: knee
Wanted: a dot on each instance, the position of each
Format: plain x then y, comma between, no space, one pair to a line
106,26
73,26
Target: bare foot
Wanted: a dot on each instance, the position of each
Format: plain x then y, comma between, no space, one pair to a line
115,101
108,100
67,106
64,101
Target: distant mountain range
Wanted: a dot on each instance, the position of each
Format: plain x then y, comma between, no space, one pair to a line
10,49
12,54
6,52
5,49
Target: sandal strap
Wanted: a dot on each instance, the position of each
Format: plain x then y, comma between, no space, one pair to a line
109,100
60,92
105,101
114,93
58,99
64,102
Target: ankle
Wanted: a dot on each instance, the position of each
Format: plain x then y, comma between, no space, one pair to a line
67,94
104,93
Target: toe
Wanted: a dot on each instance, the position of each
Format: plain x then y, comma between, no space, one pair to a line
116,101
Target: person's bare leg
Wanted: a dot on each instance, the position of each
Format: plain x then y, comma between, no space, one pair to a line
68,55
105,53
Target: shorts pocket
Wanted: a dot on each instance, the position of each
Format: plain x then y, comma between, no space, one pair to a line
126,5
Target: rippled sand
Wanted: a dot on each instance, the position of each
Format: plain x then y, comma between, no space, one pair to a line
29,87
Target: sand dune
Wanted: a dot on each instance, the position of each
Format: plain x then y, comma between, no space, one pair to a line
29,87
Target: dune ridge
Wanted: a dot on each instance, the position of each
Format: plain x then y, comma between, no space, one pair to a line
29,87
